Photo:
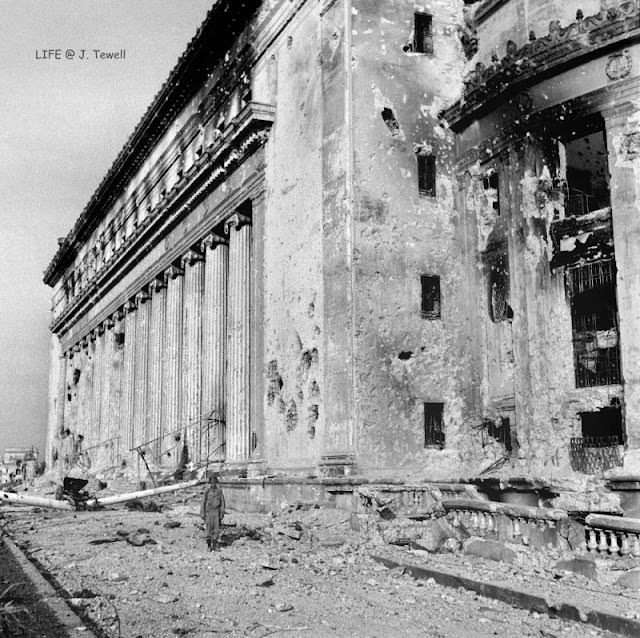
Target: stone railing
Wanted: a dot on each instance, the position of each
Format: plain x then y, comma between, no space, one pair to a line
613,535
529,525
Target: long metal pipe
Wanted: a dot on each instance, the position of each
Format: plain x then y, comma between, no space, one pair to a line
132,496
26,499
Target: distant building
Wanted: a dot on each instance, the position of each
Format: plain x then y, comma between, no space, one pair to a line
373,238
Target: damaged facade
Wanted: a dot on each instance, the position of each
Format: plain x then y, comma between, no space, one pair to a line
300,263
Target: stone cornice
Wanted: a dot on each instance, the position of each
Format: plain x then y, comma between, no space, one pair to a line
225,27
562,48
249,131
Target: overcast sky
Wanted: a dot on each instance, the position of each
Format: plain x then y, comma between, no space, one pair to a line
62,123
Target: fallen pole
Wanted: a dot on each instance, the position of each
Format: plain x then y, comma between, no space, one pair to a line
25,499
132,496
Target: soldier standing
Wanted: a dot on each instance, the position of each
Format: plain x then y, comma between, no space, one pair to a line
212,511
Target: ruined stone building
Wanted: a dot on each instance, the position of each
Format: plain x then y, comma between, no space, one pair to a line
365,237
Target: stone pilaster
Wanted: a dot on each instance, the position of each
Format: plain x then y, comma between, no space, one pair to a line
157,289
622,128
57,398
214,336
238,227
193,265
143,312
128,382
171,363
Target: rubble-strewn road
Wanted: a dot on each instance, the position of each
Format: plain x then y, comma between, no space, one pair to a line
149,574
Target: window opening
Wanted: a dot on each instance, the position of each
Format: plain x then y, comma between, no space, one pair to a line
423,33
498,293
427,175
491,187
434,425
586,170
594,316
430,296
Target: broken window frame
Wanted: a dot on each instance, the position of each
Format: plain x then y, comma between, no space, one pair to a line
434,432
593,365
491,182
496,265
579,204
426,174
423,33
430,297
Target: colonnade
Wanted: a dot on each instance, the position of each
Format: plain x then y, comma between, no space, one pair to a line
168,373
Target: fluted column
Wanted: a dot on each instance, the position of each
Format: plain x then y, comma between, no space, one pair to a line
157,288
116,390
214,336
238,227
193,266
64,365
143,311
96,399
128,381
171,364
84,389
106,408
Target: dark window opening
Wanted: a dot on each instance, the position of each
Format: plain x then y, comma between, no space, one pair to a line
391,122
423,33
605,423
434,425
430,296
500,430
76,376
490,184
498,293
594,317
119,339
427,175
587,171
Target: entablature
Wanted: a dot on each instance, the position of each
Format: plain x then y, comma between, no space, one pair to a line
248,131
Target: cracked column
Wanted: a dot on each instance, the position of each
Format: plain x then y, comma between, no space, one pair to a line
193,266
143,311
216,252
238,227
128,380
157,288
171,362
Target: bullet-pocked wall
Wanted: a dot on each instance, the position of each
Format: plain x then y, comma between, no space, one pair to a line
531,223
293,239
413,375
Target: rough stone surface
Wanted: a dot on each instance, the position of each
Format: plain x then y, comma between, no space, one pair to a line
491,550
630,580
584,566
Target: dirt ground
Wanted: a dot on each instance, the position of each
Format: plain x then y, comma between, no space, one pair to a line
305,573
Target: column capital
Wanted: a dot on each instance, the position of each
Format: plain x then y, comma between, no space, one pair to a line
191,257
172,272
117,315
211,241
129,307
236,221
157,285
77,347
108,323
98,330
92,336
142,297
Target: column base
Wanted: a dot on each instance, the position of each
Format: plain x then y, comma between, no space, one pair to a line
334,465
236,468
256,467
